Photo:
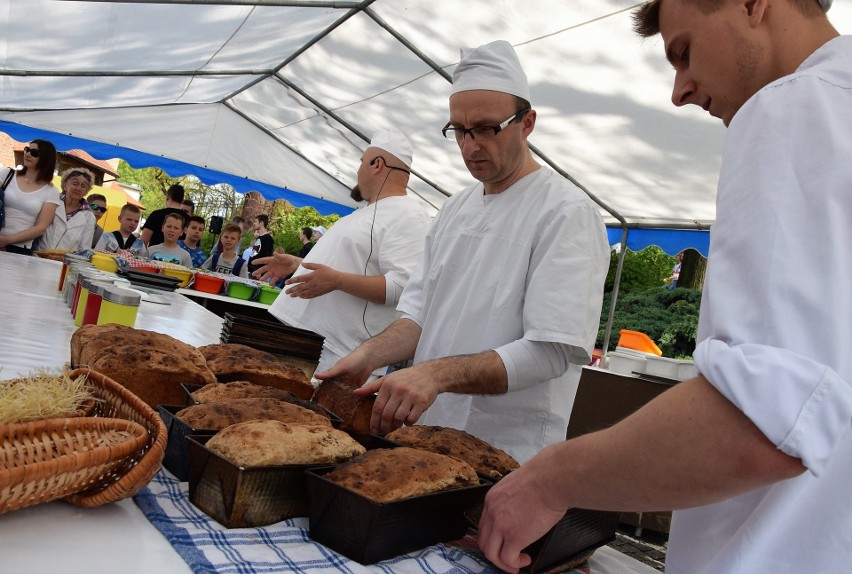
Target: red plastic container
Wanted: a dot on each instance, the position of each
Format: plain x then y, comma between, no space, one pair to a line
208,283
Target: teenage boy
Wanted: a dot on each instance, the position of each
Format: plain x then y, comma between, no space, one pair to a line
191,243
124,238
169,250
228,261
263,245
152,233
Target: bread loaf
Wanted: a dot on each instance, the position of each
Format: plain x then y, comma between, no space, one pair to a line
233,362
267,443
216,416
224,392
151,365
486,459
388,474
354,411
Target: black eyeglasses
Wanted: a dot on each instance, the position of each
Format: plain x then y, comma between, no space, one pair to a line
480,132
33,151
96,207
76,173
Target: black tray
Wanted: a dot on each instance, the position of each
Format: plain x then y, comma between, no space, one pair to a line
367,531
147,279
579,532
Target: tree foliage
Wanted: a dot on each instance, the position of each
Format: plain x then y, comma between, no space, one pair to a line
286,222
642,270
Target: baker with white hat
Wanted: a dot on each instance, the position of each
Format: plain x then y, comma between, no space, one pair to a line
347,287
503,312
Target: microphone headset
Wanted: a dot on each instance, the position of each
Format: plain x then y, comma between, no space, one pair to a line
372,226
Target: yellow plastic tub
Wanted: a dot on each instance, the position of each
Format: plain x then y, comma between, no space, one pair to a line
104,262
185,275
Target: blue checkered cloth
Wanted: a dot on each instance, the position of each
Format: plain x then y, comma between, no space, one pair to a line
208,547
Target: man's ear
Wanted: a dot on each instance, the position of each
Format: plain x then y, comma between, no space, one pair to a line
756,10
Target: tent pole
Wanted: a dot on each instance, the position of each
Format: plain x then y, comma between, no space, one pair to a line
616,283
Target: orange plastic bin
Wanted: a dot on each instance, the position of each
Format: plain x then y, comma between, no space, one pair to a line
639,342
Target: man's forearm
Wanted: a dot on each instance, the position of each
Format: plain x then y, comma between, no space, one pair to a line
396,343
479,374
688,447
370,288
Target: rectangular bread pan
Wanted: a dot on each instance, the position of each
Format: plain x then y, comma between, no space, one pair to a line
576,535
176,459
239,497
367,531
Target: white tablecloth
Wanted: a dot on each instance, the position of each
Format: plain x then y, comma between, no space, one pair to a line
35,330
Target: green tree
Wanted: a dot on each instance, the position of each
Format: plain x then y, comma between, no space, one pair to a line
286,222
642,270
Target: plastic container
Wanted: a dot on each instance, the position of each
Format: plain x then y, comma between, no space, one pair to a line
239,290
185,275
626,364
80,293
104,262
119,306
268,295
208,283
670,368
638,341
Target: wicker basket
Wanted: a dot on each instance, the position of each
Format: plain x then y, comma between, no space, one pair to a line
49,459
115,401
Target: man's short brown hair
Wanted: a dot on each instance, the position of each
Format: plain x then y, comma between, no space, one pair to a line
232,228
646,18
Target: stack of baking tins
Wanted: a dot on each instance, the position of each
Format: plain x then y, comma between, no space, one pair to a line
299,346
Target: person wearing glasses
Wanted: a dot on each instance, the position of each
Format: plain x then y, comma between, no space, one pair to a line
30,199
73,223
98,203
503,309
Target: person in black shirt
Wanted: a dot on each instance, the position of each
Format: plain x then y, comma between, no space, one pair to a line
152,231
263,245
305,237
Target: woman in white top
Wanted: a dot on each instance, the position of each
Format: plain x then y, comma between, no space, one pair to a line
30,199
74,222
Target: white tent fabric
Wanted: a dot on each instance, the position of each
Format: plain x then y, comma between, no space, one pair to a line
288,92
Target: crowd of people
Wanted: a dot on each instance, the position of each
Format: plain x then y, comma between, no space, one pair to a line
493,306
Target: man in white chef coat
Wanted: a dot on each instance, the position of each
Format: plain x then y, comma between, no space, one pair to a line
347,287
754,454
503,310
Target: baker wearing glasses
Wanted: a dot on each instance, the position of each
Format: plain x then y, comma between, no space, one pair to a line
74,221
503,309
30,199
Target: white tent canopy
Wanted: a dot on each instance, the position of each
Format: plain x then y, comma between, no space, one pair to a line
287,93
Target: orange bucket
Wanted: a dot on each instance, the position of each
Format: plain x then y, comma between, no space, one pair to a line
638,342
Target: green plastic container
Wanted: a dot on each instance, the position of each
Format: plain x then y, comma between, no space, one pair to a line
239,290
268,295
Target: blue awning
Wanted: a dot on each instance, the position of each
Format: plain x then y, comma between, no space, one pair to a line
672,241
174,168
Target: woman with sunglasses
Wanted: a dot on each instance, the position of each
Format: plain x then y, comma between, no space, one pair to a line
73,223
30,199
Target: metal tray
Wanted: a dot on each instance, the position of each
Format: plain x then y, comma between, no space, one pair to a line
176,459
367,531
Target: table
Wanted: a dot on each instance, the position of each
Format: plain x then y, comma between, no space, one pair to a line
35,329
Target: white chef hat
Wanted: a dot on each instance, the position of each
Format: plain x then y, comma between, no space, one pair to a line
395,143
494,67
826,4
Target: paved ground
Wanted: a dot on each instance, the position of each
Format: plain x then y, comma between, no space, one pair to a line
648,548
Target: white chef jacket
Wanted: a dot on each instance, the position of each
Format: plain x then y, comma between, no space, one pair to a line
528,262
74,234
383,238
775,332
22,208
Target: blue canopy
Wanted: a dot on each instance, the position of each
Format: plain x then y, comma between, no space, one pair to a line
672,241
174,168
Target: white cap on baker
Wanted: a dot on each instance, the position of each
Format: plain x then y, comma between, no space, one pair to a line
395,143
493,67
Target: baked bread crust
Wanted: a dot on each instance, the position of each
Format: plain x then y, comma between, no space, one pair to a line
354,411
269,442
233,362
150,365
217,416
389,474
224,392
487,460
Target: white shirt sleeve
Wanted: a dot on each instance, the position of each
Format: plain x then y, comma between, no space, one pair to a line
531,362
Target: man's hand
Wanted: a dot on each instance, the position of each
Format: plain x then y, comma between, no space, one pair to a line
276,266
321,280
402,397
354,369
516,515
